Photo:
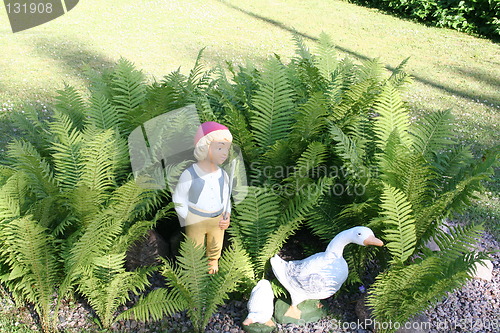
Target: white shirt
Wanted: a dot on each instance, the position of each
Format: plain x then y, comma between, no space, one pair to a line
209,200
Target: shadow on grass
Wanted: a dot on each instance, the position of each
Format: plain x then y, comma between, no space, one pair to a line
434,84
482,76
73,57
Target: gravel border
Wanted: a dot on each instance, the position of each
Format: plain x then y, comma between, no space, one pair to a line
473,308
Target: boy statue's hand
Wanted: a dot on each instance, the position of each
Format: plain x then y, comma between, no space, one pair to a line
225,221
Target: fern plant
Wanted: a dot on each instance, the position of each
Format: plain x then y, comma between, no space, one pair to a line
413,204
32,257
191,288
350,124
69,205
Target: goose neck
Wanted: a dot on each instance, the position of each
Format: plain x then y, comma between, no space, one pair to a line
337,244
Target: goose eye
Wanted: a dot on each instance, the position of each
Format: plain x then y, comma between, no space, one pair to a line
359,234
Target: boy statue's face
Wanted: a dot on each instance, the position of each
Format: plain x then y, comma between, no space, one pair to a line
218,152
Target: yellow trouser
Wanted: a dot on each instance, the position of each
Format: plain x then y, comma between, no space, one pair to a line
206,231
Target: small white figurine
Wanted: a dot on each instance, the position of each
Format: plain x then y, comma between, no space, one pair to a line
260,306
322,274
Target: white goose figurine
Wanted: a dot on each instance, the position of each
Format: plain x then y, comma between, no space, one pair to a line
322,274
261,304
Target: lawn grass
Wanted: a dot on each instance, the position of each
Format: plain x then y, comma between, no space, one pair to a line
451,69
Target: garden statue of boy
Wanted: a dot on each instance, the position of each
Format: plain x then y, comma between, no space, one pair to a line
202,195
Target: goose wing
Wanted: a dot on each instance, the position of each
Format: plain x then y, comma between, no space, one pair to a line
316,276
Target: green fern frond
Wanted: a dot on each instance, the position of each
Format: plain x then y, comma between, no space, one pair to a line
392,116
160,98
66,154
13,195
409,172
205,111
371,70
191,288
198,77
31,123
311,159
238,124
331,217
432,133
469,181
275,242
310,120
344,76
400,224
175,87
254,220
129,91
399,79
154,306
193,270
350,153
402,291
102,114
275,158
32,252
458,240
301,48
389,160
460,166
354,99
326,59
97,165
36,169
121,168
273,115
105,267
82,204
91,242
5,173
49,212
106,285
70,102
234,267
303,200
297,208
322,223
130,201
140,228
451,163
417,180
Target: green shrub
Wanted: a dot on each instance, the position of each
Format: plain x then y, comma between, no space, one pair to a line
68,209
344,130
471,16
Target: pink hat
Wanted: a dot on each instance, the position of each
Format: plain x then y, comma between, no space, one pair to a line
207,133
211,131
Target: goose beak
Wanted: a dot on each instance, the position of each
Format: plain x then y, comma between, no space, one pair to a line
372,240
